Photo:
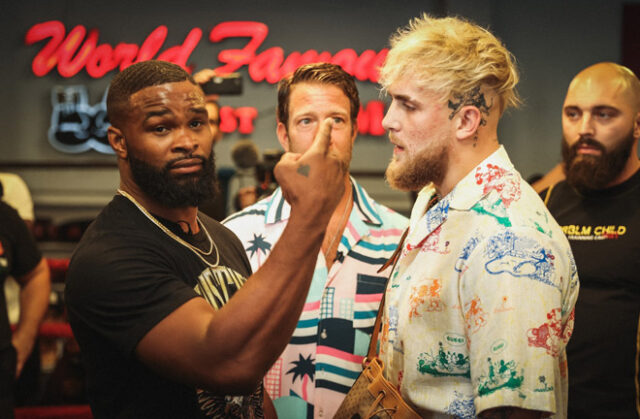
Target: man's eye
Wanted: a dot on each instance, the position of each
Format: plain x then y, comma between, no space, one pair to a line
408,106
305,121
160,129
604,115
338,119
571,114
196,124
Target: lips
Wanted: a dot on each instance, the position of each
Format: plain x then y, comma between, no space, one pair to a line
189,165
397,148
586,149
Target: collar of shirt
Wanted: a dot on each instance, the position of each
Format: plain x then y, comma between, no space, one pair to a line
363,215
476,185
278,209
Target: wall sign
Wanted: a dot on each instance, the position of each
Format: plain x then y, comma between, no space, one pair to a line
76,126
78,49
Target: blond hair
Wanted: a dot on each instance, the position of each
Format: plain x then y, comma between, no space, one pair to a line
451,57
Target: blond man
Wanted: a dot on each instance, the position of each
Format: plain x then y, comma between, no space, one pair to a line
480,306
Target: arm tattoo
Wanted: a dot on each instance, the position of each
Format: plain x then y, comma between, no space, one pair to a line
474,98
304,170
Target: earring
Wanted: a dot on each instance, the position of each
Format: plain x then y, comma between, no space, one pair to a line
475,139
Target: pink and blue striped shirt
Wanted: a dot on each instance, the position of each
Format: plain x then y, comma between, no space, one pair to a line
325,353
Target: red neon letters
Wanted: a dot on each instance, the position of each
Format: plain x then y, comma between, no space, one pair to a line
72,52
67,54
241,119
78,49
271,65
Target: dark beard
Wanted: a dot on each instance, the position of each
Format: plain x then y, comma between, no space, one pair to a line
588,172
422,169
175,191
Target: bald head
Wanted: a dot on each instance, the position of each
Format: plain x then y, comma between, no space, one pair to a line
607,81
601,126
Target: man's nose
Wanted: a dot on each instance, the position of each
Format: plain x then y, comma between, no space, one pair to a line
185,140
389,122
586,125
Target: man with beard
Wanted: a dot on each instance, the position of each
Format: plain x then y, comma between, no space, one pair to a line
598,207
324,356
149,286
480,305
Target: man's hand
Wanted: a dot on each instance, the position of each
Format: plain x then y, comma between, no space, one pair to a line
204,75
23,345
313,182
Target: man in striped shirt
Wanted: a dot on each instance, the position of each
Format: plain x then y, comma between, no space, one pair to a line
324,356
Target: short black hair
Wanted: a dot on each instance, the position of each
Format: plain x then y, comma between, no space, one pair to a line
135,78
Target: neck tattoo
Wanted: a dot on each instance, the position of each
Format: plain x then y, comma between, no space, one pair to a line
194,249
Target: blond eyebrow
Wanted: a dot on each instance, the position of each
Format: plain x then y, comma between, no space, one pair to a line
403,98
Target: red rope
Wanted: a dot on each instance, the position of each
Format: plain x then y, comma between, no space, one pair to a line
53,412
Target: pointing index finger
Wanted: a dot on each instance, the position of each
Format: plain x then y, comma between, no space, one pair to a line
323,137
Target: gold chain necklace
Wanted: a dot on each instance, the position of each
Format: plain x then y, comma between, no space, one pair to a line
170,233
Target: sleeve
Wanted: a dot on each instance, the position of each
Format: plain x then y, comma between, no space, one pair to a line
120,289
16,194
517,324
25,250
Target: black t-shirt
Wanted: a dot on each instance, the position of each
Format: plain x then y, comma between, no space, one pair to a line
19,255
127,275
603,228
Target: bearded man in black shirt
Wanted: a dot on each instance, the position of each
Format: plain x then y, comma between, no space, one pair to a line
598,206
149,287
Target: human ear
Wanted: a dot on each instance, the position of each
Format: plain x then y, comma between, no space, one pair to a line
354,131
117,141
636,126
468,120
283,136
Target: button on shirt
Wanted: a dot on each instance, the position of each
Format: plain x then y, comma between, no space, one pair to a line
480,305
324,356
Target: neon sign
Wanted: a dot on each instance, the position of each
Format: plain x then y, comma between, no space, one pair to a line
77,126
72,52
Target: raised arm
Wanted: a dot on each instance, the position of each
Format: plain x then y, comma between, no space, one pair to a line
228,351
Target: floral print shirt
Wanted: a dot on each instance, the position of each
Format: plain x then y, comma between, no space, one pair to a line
480,306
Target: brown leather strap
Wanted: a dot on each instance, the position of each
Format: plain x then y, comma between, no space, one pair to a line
548,195
376,327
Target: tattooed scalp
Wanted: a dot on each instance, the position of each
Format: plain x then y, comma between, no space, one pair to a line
473,98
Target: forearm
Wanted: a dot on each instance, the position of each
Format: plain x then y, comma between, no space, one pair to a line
228,351
259,320
34,300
